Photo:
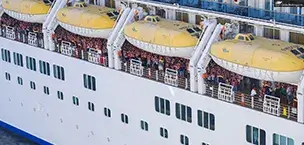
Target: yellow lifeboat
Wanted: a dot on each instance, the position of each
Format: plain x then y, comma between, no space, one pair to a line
34,11
260,58
87,20
164,37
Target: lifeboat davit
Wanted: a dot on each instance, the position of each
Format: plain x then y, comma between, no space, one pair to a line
260,58
34,11
163,37
87,20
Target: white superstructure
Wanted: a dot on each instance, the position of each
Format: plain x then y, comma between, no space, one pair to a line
64,95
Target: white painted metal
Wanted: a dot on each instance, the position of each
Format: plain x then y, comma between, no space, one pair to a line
271,105
120,39
205,59
113,35
225,92
136,67
10,33
66,48
122,93
300,97
198,52
289,27
32,39
171,77
94,55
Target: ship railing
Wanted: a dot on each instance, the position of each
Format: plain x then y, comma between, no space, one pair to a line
225,92
66,48
10,33
271,105
157,75
94,55
136,67
253,102
171,77
32,39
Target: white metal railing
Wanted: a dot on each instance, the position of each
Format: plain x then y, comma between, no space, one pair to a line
32,39
66,48
94,55
171,77
10,33
136,67
225,92
271,105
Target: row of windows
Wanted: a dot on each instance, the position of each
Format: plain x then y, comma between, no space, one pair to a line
257,136
31,64
183,112
107,112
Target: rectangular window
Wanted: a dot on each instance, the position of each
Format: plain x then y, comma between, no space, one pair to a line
44,67
124,118
6,55
91,106
255,135
18,59
19,80
282,140
7,76
89,82
32,85
162,105
31,63
144,125
204,143
183,112
58,72
206,120
163,132
46,90
107,112
75,101
184,140
60,95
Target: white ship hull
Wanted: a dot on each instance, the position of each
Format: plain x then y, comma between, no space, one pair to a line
56,121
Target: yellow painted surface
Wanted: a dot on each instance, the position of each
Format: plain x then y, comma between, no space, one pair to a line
93,17
262,53
33,7
165,32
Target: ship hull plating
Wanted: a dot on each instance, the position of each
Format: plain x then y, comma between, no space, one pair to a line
61,122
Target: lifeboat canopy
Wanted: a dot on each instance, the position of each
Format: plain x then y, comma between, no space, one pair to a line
34,11
87,20
260,58
163,37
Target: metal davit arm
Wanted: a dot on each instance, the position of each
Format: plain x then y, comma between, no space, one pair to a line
198,52
50,23
300,95
120,39
119,25
205,59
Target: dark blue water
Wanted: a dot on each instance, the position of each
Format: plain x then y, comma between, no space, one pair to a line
9,138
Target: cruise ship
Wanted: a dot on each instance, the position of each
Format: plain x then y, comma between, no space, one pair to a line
152,72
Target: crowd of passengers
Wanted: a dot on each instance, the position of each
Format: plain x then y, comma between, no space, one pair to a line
256,88
21,28
154,61
80,43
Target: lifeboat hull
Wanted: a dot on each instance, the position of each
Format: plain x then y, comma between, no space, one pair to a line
287,77
184,52
96,33
26,17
